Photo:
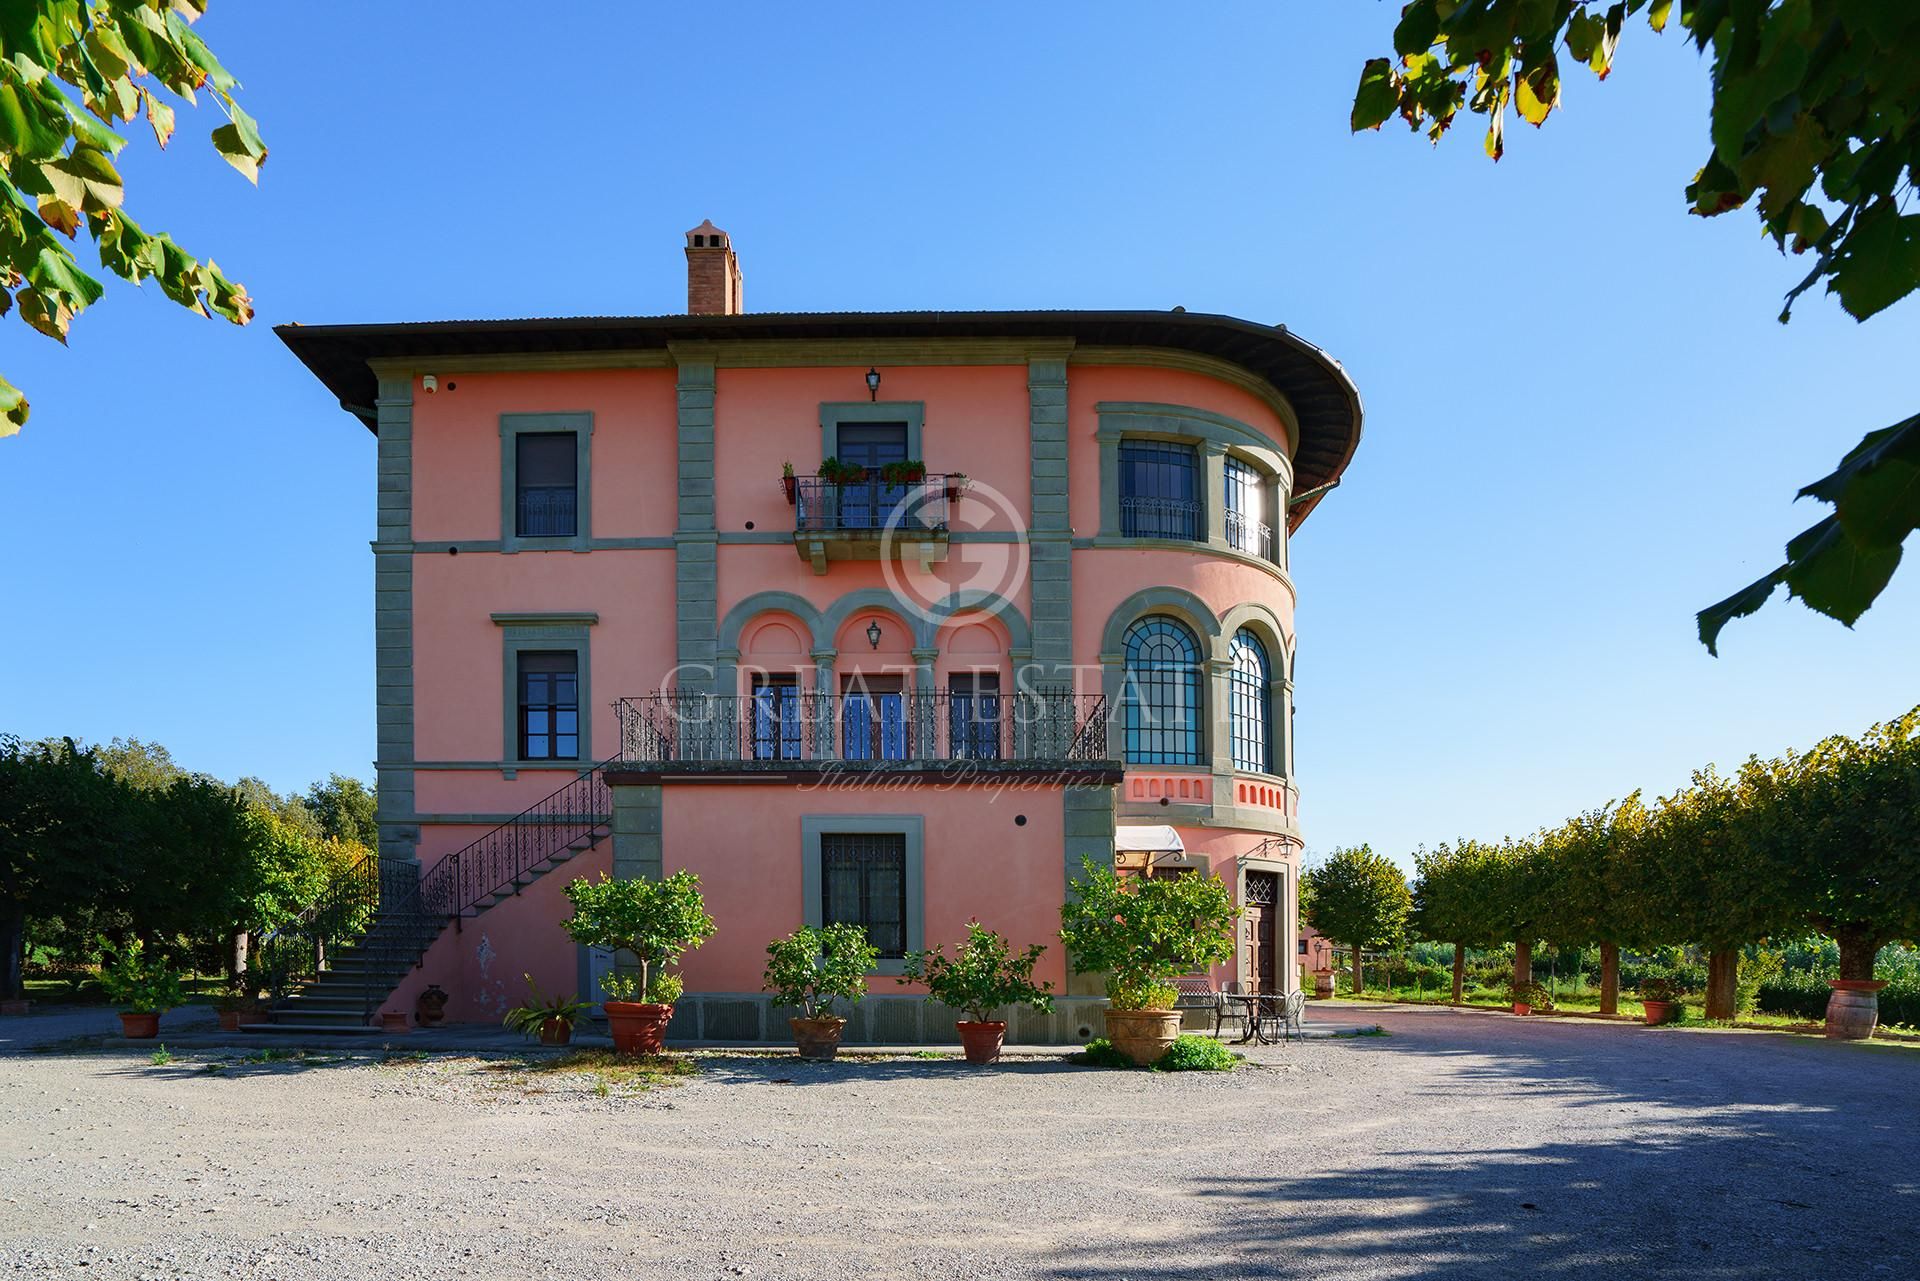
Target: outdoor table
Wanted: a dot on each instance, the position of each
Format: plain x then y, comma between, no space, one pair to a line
1252,1001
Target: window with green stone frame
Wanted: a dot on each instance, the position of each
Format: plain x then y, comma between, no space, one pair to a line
546,490
547,705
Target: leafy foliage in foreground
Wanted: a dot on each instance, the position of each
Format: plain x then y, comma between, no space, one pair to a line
653,921
1143,932
1815,121
983,976
813,967
1186,1054
57,169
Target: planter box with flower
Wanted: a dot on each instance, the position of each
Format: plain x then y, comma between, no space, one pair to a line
812,968
1660,998
654,922
550,1019
144,988
1142,934
1528,997
983,977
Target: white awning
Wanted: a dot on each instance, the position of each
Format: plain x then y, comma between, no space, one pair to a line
1152,838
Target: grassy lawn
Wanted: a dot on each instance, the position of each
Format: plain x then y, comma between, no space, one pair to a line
1576,1001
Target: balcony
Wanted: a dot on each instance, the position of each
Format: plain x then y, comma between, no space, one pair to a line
941,732
1176,518
1253,537
872,519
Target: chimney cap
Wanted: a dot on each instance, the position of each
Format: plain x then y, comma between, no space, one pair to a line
707,236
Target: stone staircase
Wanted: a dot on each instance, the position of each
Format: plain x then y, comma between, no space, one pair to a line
416,908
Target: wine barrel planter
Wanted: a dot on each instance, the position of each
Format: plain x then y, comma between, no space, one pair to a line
817,1039
1853,1010
1143,1035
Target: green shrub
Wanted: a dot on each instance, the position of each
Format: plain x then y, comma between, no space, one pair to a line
983,976
1805,997
1186,1054
1145,932
1099,1052
811,968
540,1009
1197,1054
140,985
656,921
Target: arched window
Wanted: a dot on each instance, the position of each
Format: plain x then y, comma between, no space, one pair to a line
1252,680
1162,694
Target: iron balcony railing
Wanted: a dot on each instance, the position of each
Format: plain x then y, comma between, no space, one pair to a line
780,724
871,506
1250,536
547,511
1162,518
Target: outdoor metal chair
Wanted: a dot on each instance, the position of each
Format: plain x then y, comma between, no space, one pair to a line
1283,1014
1225,1007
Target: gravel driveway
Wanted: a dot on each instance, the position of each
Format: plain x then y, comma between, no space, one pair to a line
1460,1145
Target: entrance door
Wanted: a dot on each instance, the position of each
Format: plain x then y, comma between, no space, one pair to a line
1263,916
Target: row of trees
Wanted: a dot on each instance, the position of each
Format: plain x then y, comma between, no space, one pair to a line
1825,841
118,842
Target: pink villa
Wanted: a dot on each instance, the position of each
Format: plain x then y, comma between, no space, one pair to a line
1034,609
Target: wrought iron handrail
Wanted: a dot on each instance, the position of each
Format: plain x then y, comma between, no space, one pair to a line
297,950
1180,518
495,862
1251,536
872,505
1045,726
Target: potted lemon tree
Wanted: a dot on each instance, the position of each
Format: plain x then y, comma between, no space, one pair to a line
143,988
983,977
654,922
812,968
1143,933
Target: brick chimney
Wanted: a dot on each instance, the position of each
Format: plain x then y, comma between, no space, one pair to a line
713,273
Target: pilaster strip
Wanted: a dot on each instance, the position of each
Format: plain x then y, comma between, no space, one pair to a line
695,539
393,622
1050,553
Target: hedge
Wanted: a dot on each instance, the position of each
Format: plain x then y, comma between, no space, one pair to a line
1807,999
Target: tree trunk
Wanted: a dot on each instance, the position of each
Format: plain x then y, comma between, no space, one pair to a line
1858,951
1609,978
1723,973
1522,962
1459,970
237,953
13,951
1359,979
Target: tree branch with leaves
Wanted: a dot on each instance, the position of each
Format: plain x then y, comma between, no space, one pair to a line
70,72
1815,121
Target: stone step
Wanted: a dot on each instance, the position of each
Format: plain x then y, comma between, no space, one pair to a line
330,1029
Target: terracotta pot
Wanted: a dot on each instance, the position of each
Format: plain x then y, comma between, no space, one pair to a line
393,1020
1521,1007
817,1039
251,1018
15,1007
982,1041
431,1009
140,1027
638,1027
1658,1012
791,485
556,1032
1853,1011
229,1020
1143,1035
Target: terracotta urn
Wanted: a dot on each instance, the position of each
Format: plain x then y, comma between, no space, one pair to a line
556,1032
981,1042
140,1027
817,1039
431,1009
1143,1035
1658,1012
638,1027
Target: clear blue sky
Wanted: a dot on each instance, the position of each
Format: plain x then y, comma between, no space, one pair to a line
1583,422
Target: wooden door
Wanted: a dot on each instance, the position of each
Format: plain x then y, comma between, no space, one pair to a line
1263,919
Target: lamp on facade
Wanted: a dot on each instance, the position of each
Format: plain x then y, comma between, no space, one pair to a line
873,634
873,383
